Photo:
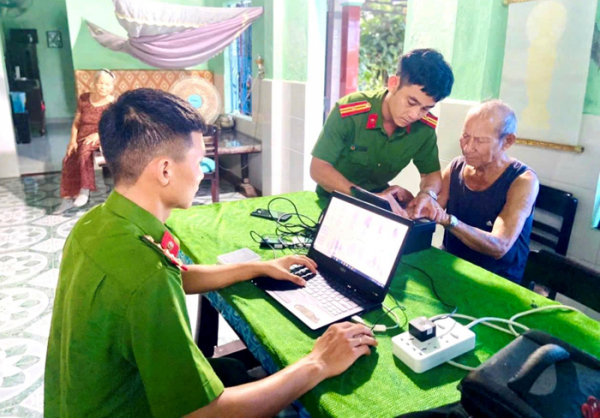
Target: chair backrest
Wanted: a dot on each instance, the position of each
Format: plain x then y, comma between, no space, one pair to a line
563,276
211,144
562,204
134,79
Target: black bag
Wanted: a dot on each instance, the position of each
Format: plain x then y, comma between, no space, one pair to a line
537,375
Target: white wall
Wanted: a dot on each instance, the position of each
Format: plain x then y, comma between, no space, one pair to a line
9,163
575,173
279,120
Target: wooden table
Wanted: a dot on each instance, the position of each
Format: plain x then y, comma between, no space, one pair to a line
237,143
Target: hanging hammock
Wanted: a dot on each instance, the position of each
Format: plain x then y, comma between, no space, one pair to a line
172,36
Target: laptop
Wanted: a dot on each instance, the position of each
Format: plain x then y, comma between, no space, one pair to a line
357,248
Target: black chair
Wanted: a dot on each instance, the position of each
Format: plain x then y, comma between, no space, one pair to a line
564,276
559,203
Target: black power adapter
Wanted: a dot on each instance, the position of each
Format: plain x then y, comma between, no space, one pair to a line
422,328
275,243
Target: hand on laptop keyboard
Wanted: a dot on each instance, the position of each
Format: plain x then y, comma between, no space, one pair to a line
282,269
302,271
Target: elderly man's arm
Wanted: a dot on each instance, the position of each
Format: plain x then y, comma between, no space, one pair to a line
445,190
508,225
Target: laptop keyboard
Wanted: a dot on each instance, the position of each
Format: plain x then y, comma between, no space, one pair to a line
333,297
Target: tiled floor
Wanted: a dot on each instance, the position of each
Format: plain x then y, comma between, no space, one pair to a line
31,241
45,153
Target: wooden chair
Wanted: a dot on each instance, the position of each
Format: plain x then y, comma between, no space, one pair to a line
211,143
564,276
562,204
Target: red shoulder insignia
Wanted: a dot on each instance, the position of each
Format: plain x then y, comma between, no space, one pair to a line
171,246
354,108
430,120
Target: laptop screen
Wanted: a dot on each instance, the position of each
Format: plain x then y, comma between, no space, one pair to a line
360,240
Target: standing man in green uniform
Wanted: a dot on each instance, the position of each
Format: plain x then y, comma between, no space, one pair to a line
120,342
369,137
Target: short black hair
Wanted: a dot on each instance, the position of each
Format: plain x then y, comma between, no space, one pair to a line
426,68
143,123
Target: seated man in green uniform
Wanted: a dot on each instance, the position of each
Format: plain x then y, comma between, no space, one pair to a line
120,342
369,137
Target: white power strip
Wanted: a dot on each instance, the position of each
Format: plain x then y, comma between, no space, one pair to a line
452,340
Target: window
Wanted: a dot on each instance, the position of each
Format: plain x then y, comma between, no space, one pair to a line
239,60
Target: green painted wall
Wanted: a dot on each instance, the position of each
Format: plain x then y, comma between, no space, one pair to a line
262,37
592,96
494,58
295,46
56,67
89,54
2,41
431,24
478,49
292,18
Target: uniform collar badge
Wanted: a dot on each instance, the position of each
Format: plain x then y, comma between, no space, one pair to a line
372,121
169,247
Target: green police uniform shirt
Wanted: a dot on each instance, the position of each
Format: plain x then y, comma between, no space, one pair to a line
355,142
120,342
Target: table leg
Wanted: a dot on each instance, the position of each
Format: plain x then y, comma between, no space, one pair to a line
245,187
207,328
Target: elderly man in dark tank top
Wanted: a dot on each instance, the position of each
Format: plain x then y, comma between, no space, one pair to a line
487,198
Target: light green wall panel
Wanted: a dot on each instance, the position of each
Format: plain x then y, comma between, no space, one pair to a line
592,96
56,67
494,57
431,24
295,47
292,18
262,36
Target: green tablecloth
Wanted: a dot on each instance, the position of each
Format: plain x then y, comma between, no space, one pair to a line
378,385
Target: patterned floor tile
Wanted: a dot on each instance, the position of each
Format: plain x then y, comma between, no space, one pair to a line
50,245
41,327
50,187
51,220
18,198
19,215
8,199
20,305
18,237
22,365
35,401
64,230
48,279
20,266
49,202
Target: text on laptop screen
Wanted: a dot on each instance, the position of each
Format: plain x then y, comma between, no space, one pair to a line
363,241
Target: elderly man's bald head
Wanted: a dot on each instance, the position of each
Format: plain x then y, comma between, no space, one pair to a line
498,114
